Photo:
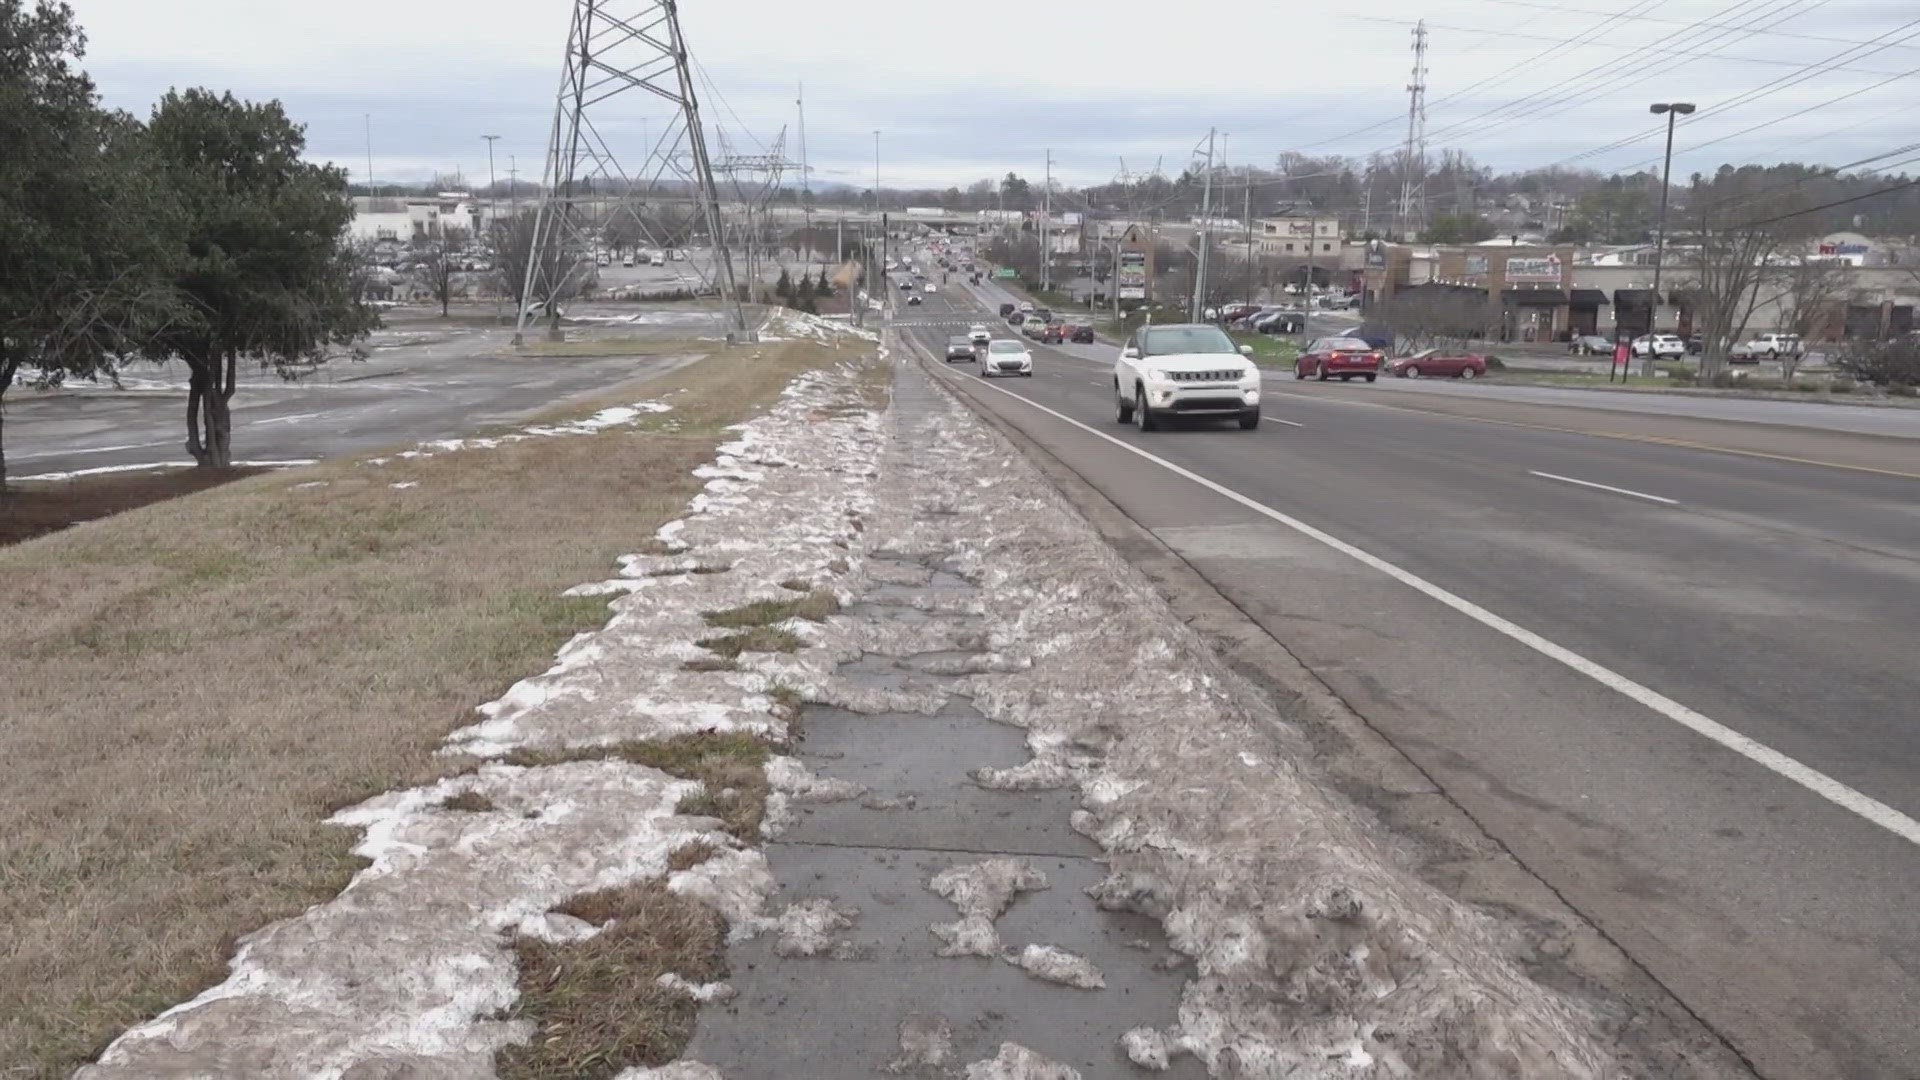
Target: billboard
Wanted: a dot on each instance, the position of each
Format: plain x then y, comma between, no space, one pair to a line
1376,254
1133,275
1477,266
1545,270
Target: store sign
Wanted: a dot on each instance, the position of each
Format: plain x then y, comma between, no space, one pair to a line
1477,266
1843,249
1376,254
1534,269
1133,275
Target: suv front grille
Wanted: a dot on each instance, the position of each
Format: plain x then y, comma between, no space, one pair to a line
1203,376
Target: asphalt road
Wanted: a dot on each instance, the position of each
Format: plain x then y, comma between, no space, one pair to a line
422,380
1776,598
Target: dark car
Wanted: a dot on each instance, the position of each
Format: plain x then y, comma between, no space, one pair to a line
1043,314
913,300
961,349
1016,318
1006,310
1338,357
1439,362
1379,337
1081,334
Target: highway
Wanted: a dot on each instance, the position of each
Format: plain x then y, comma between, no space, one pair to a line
1547,601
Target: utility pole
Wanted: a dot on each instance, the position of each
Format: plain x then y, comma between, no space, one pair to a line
1046,230
493,212
1674,111
1206,239
1413,162
1247,210
1306,316
806,183
371,191
513,186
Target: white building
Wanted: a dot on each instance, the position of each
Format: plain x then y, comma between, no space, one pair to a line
414,217
1299,236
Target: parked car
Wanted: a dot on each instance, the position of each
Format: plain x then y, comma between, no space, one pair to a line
977,333
1344,358
961,349
1279,322
1006,356
1438,362
1185,369
1006,310
1080,334
1766,347
1660,346
1232,312
1590,345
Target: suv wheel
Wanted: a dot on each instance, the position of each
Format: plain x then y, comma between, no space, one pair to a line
1122,406
1249,419
1142,415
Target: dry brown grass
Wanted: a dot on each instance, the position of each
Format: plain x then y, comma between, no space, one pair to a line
692,854
814,607
467,802
730,764
191,687
595,1004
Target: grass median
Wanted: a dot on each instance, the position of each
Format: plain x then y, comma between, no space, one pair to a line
194,685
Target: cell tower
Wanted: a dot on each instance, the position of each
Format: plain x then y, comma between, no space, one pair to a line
1413,159
614,47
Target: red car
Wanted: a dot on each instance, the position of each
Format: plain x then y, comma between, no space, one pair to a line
1434,362
1339,357
1053,334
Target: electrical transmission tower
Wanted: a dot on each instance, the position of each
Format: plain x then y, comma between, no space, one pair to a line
1413,159
615,47
755,179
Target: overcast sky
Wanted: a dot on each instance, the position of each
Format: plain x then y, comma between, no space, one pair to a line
962,92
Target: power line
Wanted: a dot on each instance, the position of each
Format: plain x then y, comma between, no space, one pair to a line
1676,22
1901,186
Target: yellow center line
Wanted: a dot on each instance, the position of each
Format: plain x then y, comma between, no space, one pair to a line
1624,436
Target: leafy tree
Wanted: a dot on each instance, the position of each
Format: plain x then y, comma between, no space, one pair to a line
1016,192
267,275
783,288
803,291
85,236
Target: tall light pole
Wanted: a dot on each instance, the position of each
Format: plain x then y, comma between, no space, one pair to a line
493,211
1673,110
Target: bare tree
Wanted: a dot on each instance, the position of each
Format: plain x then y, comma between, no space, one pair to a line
1740,228
1427,319
561,272
1810,292
442,266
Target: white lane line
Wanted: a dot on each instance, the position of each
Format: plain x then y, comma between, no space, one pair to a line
283,419
1604,487
1766,757
1289,423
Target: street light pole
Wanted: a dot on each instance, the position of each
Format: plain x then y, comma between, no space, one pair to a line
1673,110
493,211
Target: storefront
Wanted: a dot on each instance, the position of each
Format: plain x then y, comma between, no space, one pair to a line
1583,311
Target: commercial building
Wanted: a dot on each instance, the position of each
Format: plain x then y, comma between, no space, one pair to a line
1299,236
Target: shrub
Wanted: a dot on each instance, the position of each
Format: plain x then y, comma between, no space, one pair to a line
1882,362
1842,385
1901,389
1494,363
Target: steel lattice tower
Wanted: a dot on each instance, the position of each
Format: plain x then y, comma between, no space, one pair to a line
614,47
1413,160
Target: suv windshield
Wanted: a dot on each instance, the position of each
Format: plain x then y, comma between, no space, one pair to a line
1004,345
1168,340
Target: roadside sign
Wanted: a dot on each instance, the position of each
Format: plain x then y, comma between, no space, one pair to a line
1005,272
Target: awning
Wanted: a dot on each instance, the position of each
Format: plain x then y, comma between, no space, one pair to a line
1588,297
1635,297
1549,297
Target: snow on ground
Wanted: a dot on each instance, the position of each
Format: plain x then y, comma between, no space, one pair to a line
616,416
408,970
1016,1062
156,467
786,324
981,891
1055,964
1210,813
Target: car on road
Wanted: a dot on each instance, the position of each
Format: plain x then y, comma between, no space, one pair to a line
931,287
1081,334
1006,310
913,300
1344,358
977,333
1766,347
961,349
1016,318
1185,369
626,260
1438,362
1590,345
1053,333
1660,346
1006,356
1033,327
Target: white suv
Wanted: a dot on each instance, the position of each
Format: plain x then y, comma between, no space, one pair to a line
1187,369
1660,346
1767,346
